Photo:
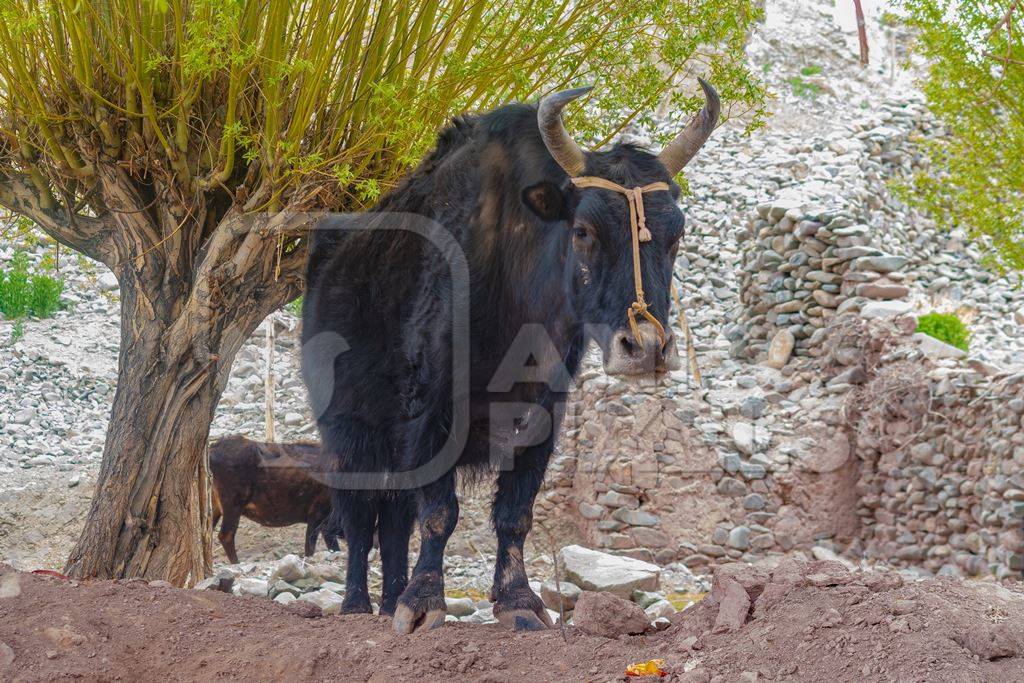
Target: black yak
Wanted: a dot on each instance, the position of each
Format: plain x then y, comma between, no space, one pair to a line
429,350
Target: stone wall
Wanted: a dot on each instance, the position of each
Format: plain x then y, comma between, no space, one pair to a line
941,480
807,264
915,460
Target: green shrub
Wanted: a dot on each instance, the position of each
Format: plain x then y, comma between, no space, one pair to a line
810,70
802,88
44,296
23,292
946,327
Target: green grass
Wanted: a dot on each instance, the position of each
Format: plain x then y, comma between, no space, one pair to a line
24,292
682,599
946,327
806,89
17,330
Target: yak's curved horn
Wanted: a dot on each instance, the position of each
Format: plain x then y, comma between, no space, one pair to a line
556,138
686,145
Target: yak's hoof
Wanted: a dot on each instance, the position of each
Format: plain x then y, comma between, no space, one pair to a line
421,606
522,610
408,619
387,607
359,605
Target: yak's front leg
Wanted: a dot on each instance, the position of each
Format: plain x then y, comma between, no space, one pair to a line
421,605
515,604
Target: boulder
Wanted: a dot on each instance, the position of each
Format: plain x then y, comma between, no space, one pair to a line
884,263
876,290
107,282
610,616
780,349
290,569
645,598
223,581
596,571
459,607
328,601
885,309
661,608
255,587
933,348
564,592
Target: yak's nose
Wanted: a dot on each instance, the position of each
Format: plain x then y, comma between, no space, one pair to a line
627,355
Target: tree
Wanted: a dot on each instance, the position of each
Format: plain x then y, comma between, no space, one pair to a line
975,85
181,143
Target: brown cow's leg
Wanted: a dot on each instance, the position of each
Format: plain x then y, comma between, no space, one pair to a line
227,533
215,513
323,529
421,606
393,530
312,531
331,541
515,604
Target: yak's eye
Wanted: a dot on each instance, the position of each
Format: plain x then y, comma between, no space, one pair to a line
580,232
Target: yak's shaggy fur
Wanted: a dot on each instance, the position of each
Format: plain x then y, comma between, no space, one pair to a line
549,268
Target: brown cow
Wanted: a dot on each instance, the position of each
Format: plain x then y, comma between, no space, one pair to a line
272,485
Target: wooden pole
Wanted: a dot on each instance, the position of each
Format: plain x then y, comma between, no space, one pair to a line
862,33
268,383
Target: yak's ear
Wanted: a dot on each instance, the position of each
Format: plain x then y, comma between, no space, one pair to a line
548,201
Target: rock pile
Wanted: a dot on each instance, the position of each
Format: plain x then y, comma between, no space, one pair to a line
617,593
806,265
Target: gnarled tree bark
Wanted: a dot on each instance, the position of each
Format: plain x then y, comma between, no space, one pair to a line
196,280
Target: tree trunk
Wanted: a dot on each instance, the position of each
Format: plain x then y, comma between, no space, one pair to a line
862,32
149,516
198,272
150,513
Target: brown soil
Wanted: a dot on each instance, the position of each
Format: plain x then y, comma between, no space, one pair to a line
800,622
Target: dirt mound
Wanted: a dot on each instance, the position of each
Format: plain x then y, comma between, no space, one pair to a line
798,621
819,621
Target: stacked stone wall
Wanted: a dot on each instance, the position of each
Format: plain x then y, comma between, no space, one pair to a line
942,469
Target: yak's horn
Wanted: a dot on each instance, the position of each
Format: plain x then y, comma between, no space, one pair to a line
686,145
556,138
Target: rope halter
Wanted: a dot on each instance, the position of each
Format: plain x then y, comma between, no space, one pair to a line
639,233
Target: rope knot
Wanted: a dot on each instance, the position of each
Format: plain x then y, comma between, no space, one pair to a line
636,211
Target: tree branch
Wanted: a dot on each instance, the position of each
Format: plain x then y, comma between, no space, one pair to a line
1005,21
85,234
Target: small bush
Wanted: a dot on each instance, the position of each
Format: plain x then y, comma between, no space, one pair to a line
802,88
23,292
811,70
946,327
